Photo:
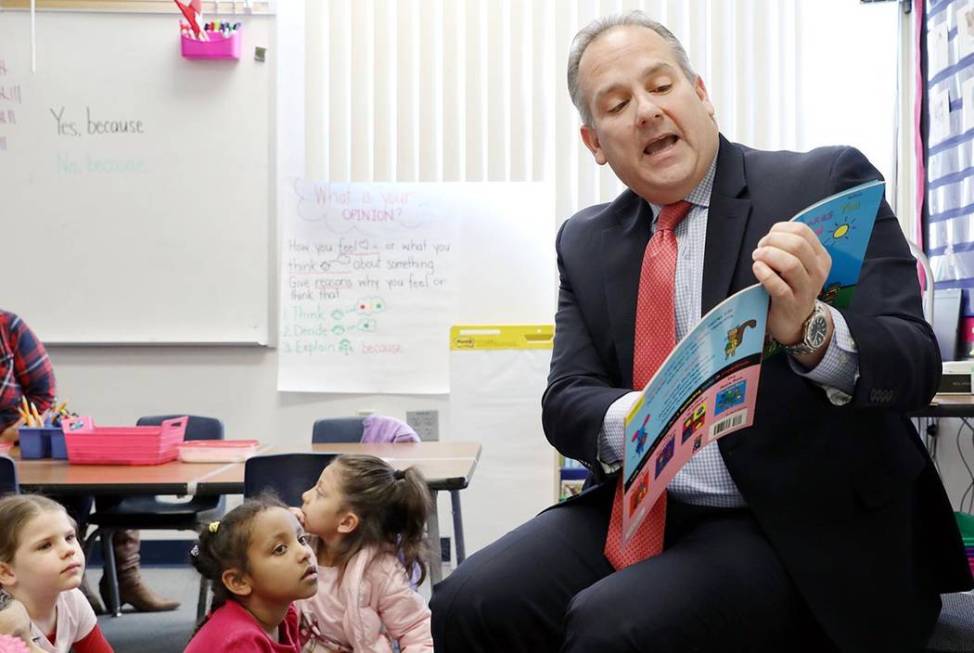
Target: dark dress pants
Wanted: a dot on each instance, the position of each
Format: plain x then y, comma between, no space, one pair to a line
546,586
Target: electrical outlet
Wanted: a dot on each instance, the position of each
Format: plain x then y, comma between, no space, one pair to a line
445,549
426,423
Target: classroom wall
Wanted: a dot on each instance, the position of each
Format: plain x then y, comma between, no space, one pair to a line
322,134
237,384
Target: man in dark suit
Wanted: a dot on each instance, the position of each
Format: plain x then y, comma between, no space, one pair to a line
822,527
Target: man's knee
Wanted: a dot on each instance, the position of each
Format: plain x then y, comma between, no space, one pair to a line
482,609
458,615
444,599
593,608
585,624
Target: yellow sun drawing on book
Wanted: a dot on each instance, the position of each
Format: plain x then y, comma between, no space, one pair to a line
840,232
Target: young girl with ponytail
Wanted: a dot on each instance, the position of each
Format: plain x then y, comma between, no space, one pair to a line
369,521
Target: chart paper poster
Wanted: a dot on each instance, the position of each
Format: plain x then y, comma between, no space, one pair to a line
372,276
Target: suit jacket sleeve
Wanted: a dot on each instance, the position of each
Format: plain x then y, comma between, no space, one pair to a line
580,387
899,361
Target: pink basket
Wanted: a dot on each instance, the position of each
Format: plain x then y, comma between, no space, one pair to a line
218,47
123,445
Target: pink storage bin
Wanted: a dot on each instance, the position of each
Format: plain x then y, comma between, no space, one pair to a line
123,445
217,451
218,47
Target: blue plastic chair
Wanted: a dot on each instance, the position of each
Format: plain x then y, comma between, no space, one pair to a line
337,429
149,513
287,475
8,476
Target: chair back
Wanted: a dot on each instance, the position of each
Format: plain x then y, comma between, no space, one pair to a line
197,427
338,429
288,475
8,476
374,428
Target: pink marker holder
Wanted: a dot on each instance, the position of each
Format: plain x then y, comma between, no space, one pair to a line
219,46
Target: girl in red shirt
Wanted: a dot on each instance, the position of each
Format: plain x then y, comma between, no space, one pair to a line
259,562
41,565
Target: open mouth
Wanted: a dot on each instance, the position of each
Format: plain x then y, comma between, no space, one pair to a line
660,144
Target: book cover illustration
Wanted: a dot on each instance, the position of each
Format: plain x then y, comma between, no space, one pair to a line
708,385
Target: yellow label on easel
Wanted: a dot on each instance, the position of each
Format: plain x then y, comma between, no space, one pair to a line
480,337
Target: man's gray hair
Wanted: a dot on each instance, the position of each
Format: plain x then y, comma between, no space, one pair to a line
595,29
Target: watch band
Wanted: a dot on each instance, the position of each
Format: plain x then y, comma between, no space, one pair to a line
807,344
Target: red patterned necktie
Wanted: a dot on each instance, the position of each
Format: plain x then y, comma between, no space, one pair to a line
655,336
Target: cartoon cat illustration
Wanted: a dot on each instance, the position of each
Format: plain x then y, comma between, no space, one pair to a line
735,337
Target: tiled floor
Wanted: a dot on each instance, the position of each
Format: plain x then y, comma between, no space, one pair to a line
162,632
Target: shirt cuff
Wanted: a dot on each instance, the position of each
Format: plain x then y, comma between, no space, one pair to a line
613,434
838,371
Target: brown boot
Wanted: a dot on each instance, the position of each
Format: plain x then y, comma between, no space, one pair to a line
131,589
89,593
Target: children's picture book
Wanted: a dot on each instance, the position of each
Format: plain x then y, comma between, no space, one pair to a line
708,385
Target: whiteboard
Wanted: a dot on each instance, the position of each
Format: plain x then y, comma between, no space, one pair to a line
135,197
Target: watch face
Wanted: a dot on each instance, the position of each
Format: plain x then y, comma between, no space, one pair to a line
818,327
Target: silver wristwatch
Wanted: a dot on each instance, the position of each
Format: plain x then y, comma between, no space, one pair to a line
814,331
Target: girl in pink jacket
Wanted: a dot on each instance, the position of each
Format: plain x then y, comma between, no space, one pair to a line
369,520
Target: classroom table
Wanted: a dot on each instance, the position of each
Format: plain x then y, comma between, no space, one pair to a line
942,406
447,466
948,405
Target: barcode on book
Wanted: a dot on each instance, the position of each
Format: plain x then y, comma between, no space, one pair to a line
729,422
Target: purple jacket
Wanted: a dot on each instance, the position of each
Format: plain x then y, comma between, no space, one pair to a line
381,429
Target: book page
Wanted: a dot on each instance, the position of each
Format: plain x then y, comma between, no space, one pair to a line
708,385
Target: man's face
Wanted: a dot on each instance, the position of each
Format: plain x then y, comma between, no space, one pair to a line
653,126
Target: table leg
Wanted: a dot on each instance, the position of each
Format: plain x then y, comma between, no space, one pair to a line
458,526
433,532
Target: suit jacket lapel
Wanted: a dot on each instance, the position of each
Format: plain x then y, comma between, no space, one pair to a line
727,220
622,251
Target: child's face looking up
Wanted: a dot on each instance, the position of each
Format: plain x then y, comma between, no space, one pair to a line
323,507
281,565
48,559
